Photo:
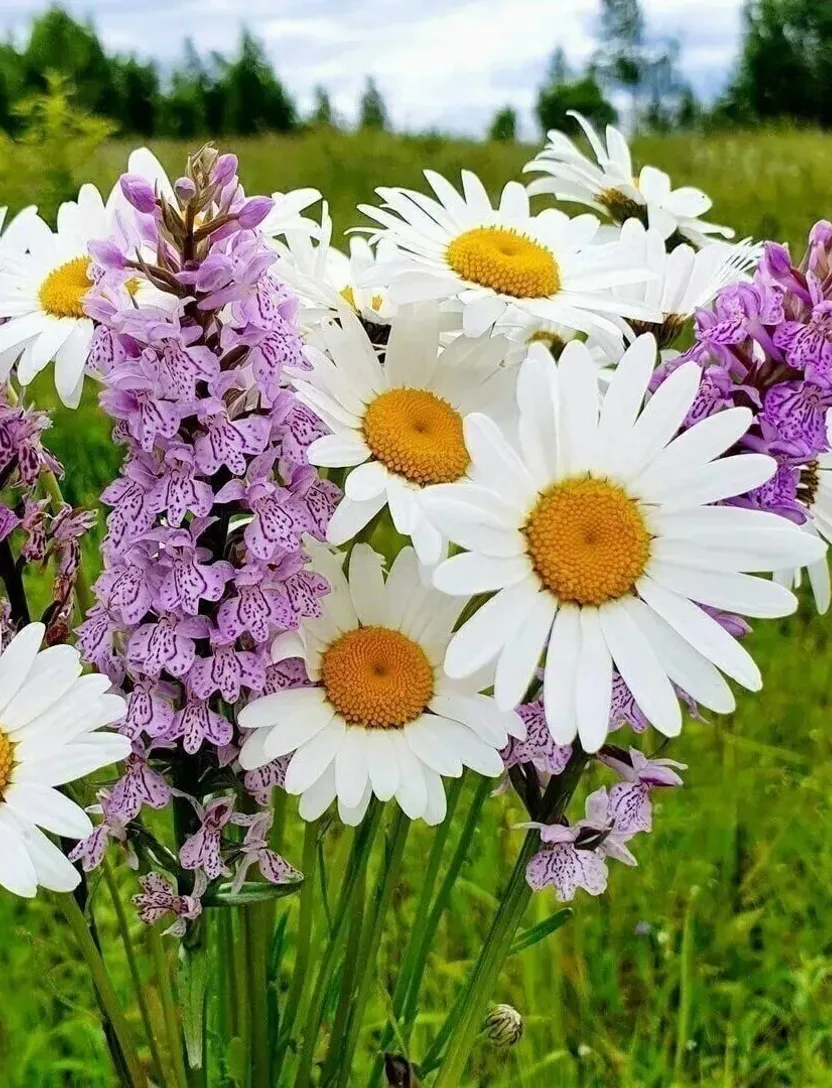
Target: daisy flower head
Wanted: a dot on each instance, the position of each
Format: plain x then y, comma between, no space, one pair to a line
44,279
323,276
398,427
380,717
601,541
684,279
606,181
526,333
456,246
50,717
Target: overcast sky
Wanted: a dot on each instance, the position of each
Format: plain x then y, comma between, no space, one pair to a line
443,63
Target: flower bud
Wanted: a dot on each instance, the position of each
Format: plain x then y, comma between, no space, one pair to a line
254,211
224,169
138,192
107,254
185,190
504,1026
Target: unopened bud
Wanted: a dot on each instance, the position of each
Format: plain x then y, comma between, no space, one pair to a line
254,211
138,192
224,169
504,1026
185,190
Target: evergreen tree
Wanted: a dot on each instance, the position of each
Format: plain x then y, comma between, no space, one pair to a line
255,99
584,94
323,115
138,91
504,125
372,112
60,45
622,59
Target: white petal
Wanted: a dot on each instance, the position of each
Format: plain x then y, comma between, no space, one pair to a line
481,638
559,677
659,421
470,573
17,660
703,633
382,764
366,482
640,669
367,586
17,873
337,451
412,793
520,657
280,707
316,800
46,807
722,479
53,673
593,683
731,592
351,768
436,808
351,517
54,871
577,409
309,762
432,747
496,463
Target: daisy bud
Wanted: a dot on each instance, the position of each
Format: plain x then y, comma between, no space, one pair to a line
254,211
185,190
138,192
504,1026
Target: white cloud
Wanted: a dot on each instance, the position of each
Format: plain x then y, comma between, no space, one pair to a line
439,63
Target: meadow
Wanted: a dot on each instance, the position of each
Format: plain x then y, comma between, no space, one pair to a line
710,963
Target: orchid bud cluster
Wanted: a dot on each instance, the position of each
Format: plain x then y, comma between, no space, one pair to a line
203,558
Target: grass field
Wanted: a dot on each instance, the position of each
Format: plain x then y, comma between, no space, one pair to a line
710,963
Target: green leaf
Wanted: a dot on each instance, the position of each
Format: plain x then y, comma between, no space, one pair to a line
193,979
539,932
251,892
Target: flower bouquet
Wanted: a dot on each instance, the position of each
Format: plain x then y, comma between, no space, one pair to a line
394,533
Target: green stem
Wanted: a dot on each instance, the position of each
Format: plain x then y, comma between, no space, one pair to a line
458,858
359,856
348,976
241,962
304,944
83,594
104,987
371,939
468,1017
132,964
172,1032
257,922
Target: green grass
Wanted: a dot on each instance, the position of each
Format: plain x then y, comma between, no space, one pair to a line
710,963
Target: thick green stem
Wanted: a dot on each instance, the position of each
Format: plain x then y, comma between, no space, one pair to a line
104,987
359,857
172,1029
132,964
371,939
304,943
468,1016
257,921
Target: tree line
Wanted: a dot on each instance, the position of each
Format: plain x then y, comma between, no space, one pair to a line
784,71
214,95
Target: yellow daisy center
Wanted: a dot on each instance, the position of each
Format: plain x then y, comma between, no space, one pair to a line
62,292
348,295
587,541
507,262
7,760
416,434
377,677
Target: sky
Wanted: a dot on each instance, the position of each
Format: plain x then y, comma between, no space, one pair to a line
447,64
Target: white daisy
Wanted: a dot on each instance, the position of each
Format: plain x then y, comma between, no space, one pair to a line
285,217
609,185
43,282
322,276
381,717
598,537
685,278
49,717
459,247
526,333
398,426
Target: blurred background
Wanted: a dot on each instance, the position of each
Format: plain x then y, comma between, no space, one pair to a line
710,963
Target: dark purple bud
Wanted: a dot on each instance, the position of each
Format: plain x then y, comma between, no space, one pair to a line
185,190
107,254
138,192
224,169
777,261
254,211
